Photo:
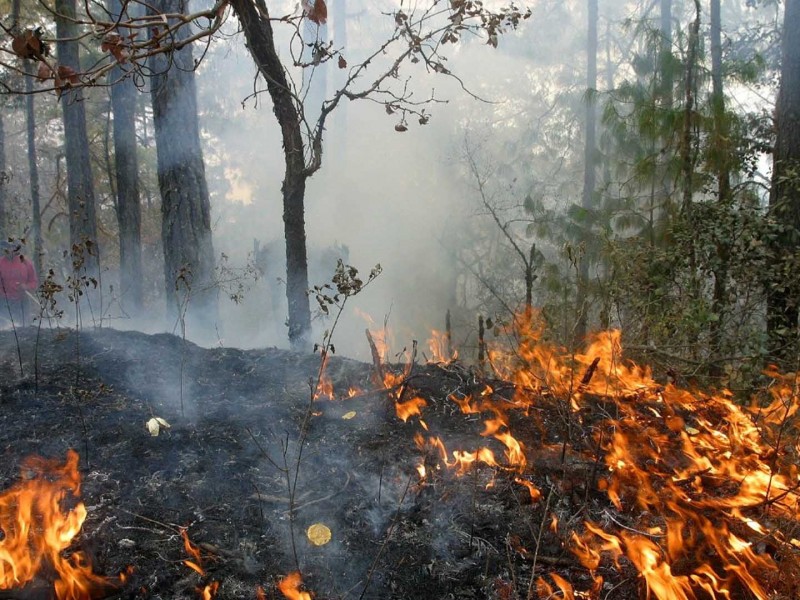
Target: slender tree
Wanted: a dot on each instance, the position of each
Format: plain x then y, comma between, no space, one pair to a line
784,203
123,102
80,183
255,21
720,159
33,163
185,204
589,160
687,140
4,176
33,170
417,37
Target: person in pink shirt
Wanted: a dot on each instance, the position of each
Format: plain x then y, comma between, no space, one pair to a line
17,279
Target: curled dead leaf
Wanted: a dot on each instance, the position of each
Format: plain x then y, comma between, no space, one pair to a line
400,127
316,11
342,62
68,75
116,45
29,44
44,72
155,425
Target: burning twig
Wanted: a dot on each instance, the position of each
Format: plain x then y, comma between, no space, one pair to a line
588,374
378,374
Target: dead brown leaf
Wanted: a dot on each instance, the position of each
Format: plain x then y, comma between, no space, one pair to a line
29,45
316,11
44,72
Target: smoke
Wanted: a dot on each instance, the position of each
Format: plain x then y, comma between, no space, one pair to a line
391,198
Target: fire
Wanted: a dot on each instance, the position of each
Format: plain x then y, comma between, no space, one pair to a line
699,481
194,552
324,388
290,587
39,518
206,592
440,348
410,408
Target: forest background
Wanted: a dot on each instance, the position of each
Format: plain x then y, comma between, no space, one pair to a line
602,164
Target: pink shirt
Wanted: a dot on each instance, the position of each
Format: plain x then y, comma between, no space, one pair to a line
16,276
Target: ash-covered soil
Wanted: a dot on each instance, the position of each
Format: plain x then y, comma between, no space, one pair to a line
237,419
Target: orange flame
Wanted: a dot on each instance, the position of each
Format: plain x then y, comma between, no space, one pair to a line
194,552
324,384
438,345
290,587
207,592
410,408
39,518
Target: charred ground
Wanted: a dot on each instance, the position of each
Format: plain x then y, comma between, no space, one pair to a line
236,418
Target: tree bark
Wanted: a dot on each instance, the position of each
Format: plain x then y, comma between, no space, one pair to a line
589,163
665,28
123,102
4,177
33,165
80,183
261,43
687,142
784,203
185,205
721,153
33,169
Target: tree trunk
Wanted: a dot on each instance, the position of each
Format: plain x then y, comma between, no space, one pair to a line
123,102
784,203
185,206
589,167
33,164
261,43
33,169
721,154
666,52
339,77
80,184
4,177
686,145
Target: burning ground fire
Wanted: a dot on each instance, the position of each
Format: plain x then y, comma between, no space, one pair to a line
693,494
39,518
703,488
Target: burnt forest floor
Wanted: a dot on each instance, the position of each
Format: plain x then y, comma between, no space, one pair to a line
220,472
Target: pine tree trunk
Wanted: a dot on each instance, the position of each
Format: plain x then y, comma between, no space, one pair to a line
3,177
33,165
784,203
185,206
589,166
686,146
722,160
80,184
261,43
123,101
33,169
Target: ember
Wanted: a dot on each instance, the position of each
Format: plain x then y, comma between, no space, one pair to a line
290,587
